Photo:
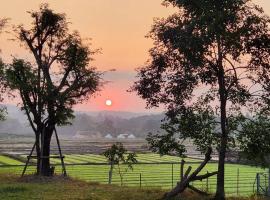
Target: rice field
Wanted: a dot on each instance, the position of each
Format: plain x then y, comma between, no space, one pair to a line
152,171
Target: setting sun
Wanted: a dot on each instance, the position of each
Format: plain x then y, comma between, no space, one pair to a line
108,102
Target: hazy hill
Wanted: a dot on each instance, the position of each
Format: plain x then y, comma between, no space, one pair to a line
114,125
89,124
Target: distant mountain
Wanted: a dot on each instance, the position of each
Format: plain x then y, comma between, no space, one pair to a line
101,125
120,114
89,124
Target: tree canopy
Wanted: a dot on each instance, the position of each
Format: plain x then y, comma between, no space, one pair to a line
206,59
60,77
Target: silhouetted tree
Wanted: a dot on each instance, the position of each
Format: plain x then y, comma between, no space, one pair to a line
212,50
3,111
59,78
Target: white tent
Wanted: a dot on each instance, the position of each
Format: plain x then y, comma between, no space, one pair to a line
121,136
131,136
108,136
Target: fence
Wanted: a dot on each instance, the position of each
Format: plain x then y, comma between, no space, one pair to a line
240,180
263,184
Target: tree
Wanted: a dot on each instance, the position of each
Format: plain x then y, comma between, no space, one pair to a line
117,155
212,51
3,110
60,77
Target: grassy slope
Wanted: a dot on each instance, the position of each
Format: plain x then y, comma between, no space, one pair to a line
12,187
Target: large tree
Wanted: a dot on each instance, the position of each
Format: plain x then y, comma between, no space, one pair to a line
3,111
60,77
206,59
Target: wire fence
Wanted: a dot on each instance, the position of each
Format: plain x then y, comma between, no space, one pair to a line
239,180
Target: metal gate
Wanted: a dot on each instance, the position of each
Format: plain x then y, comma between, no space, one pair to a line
262,184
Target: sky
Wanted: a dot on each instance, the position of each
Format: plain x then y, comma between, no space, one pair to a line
118,27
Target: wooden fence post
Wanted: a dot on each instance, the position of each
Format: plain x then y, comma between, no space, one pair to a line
140,180
172,175
110,174
237,191
207,184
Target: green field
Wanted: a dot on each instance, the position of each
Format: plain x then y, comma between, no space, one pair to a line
240,179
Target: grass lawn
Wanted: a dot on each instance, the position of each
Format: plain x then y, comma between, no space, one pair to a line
13,187
152,175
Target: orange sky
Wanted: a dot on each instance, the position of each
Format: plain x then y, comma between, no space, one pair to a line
117,26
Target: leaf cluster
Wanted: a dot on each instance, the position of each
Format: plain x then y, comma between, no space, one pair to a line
117,154
61,75
207,52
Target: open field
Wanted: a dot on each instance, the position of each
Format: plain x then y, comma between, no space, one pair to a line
152,171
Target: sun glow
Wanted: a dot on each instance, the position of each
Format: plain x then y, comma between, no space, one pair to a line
108,102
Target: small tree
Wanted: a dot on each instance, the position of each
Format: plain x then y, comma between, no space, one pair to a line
59,78
205,60
118,155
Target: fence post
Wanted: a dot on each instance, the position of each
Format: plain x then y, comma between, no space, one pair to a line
207,184
237,187
110,174
140,180
258,183
172,175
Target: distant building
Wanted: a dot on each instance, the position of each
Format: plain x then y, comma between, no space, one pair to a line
131,136
122,136
108,136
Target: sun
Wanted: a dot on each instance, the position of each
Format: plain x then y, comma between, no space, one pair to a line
108,102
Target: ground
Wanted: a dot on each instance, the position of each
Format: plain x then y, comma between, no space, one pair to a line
153,170
30,187
239,180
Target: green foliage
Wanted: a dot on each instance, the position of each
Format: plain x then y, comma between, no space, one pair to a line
205,61
118,155
165,144
60,77
254,138
44,90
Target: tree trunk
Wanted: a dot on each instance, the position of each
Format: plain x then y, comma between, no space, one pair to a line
220,192
45,167
38,152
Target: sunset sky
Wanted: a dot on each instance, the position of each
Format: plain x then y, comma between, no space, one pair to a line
118,27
